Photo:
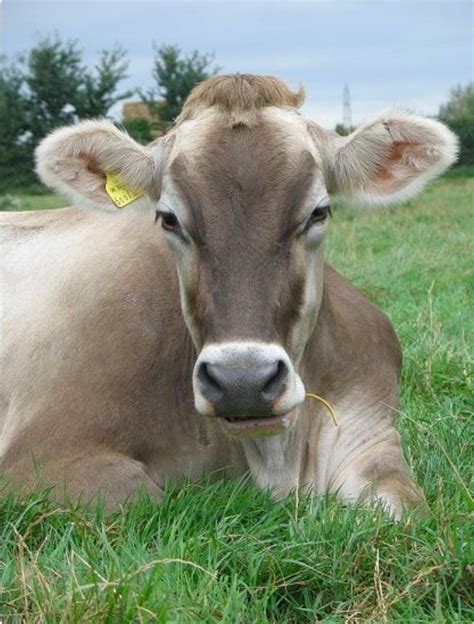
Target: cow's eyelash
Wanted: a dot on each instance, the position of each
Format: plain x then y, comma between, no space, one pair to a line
318,215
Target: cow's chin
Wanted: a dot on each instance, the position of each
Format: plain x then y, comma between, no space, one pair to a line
257,427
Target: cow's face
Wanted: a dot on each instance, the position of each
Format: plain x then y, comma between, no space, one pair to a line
244,208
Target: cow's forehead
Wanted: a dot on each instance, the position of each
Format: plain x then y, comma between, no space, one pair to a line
214,157
194,137
261,179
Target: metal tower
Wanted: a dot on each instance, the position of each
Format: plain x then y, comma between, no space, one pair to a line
346,108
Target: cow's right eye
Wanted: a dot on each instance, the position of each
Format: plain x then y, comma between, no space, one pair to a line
169,221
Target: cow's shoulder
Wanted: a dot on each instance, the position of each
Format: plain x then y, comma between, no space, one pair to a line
348,299
83,274
354,338
17,225
364,324
93,338
71,239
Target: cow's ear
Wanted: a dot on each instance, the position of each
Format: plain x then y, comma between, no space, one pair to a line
76,161
391,158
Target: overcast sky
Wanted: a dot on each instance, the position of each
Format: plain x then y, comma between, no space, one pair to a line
390,52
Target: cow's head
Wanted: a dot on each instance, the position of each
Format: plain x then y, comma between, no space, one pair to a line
241,187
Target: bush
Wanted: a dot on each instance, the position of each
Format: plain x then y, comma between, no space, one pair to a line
465,131
49,87
9,202
139,129
458,114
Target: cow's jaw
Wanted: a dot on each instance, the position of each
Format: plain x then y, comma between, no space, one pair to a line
255,427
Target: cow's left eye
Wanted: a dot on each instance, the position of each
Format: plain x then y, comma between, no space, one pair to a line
319,215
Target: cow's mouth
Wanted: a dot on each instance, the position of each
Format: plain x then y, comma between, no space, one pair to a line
268,425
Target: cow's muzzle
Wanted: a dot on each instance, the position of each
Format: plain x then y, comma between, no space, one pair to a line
252,387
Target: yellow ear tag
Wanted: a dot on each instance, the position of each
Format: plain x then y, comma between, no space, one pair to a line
118,193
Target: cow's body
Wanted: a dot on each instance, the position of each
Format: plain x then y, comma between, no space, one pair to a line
97,366
139,350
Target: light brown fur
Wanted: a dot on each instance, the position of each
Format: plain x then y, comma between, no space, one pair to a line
240,96
100,340
112,389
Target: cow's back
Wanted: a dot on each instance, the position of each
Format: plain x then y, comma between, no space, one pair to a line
95,350
68,290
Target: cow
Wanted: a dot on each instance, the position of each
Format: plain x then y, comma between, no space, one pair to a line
179,334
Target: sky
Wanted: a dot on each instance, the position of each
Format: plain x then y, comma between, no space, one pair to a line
405,53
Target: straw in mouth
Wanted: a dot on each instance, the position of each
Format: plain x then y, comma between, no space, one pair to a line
328,406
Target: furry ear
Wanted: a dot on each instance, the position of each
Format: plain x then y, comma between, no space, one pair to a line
74,161
391,158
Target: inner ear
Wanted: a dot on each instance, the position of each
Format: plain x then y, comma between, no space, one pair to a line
402,164
92,166
391,159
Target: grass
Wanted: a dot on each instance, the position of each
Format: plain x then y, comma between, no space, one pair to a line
225,552
23,201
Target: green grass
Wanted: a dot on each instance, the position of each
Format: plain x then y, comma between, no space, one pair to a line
23,201
227,553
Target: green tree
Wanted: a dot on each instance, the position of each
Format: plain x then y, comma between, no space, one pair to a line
99,91
12,104
48,87
175,75
139,129
61,89
342,130
54,75
458,114
15,137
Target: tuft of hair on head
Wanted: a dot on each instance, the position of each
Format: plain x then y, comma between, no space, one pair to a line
240,96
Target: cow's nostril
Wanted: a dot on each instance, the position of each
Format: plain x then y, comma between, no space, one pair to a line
213,389
273,386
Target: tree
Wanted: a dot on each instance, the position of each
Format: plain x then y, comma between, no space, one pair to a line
61,89
458,114
175,76
54,75
139,129
342,130
99,90
12,106
48,87
14,130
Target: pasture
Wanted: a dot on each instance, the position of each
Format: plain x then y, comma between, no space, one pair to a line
224,552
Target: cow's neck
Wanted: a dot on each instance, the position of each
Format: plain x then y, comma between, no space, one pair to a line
281,462
275,462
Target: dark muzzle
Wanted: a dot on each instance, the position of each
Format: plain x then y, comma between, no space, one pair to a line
240,391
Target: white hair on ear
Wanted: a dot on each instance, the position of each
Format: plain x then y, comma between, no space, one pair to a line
73,161
392,157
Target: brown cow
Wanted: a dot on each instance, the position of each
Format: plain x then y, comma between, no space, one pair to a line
179,335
